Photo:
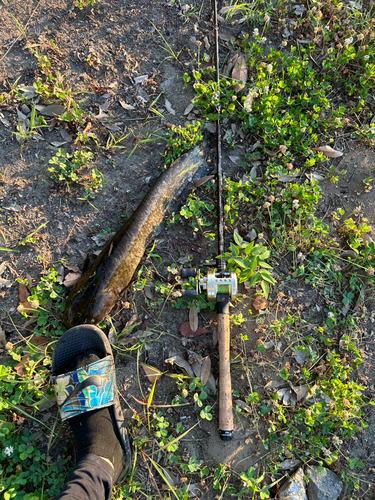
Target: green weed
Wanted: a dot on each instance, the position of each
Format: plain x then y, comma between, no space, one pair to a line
80,4
180,140
72,170
247,260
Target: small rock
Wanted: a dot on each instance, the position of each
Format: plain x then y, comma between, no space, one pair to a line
211,127
289,464
294,488
324,486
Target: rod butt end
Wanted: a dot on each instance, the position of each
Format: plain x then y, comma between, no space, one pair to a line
226,435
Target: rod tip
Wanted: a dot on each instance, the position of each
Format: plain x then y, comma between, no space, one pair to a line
225,435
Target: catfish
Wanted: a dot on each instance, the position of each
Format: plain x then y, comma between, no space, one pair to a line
98,289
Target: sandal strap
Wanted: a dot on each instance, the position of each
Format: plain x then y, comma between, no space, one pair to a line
88,388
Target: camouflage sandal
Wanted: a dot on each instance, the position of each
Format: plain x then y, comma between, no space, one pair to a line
89,387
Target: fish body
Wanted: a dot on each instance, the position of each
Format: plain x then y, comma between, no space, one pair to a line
98,289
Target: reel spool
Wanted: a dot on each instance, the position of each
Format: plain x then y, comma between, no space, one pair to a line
213,285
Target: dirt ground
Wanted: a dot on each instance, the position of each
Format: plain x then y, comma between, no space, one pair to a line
120,35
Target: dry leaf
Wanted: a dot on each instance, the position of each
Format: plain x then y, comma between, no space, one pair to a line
211,384
3,339
151,373
126,106
52,110
112,336
19,368
40,341
5,283
205,370
239,72
300,391
102,116
203,180
197,367
71,279
226,37
274,384
131,322
188,108
187,332
75,269
140,79
129,341
181,363
260,303
23,293
148,292
243,405
193,318
105,106
168,107
329,152
65,135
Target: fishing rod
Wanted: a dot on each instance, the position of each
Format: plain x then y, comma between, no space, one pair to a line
219,286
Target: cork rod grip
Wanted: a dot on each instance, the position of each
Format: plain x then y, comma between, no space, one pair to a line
225,385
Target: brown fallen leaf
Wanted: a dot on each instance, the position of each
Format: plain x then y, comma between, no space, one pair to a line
203,180
260,303
25,305
239,71
75,269
19,368
3,339
329,152
23,293
129,341
71,279
187,332
181,363
152,373
226,37
274,384
126,106
205,370
40,341
243,405
193,318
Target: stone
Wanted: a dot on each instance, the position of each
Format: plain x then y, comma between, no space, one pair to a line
324,486
294,488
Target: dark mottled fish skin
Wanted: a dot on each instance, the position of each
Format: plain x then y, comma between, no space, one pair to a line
98,289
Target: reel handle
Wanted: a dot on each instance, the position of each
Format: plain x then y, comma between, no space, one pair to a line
225,384
188,272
